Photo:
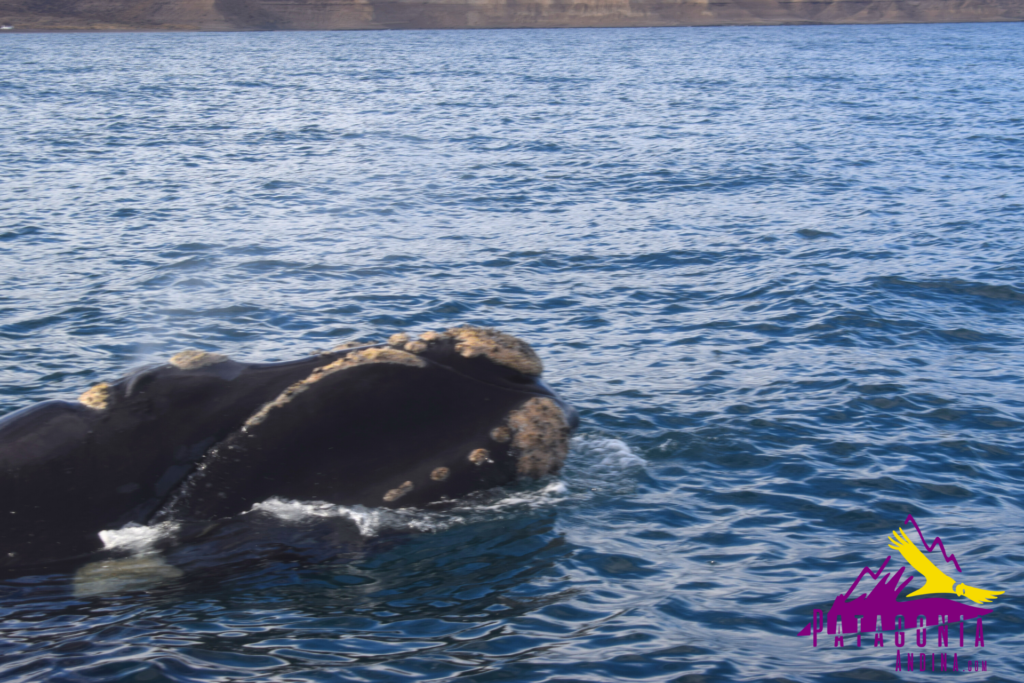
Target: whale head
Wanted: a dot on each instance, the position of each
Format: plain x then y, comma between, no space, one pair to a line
413,421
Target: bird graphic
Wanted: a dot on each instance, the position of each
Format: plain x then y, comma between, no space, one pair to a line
936,580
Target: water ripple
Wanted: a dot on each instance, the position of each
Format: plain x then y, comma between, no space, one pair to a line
778,270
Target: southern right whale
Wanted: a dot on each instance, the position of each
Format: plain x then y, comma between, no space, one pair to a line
410,422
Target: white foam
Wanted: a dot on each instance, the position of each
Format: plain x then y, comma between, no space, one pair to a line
605,453
596,463
136,538
371,522
554,492
600,465
123,575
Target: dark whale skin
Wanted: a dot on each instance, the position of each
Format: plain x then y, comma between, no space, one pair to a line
210,437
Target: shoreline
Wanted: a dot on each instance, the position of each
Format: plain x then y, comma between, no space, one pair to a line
179,16
144,29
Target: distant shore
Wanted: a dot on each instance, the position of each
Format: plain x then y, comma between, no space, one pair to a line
256,15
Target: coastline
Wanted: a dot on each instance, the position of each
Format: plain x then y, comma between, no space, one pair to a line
115,16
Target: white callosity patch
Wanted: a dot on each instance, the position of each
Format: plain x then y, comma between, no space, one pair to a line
540,437
470,342
351,360
398,340
416,347
396,493
97,397
193,359
498,347
480,456
501,434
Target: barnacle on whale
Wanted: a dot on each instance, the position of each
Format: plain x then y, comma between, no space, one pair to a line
396,493
193,359
540,437
351,360
498,347
470,341
97,397
480,456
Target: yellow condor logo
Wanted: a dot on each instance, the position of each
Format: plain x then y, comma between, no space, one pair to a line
936,580
879,609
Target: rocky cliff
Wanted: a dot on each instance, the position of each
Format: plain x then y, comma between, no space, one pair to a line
231,15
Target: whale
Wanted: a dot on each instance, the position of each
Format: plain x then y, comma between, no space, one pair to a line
411,422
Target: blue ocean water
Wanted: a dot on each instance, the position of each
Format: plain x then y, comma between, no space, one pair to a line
779,271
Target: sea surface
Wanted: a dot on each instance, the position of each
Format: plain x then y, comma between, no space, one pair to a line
778,270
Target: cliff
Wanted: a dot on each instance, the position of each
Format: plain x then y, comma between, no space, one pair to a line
232,15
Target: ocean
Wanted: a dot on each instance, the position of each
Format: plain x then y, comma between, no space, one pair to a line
778,270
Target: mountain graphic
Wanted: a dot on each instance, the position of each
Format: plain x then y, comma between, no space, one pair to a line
880,610
881,605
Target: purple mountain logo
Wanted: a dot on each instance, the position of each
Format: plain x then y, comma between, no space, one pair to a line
881,610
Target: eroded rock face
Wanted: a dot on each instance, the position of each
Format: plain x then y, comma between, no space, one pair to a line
226,15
